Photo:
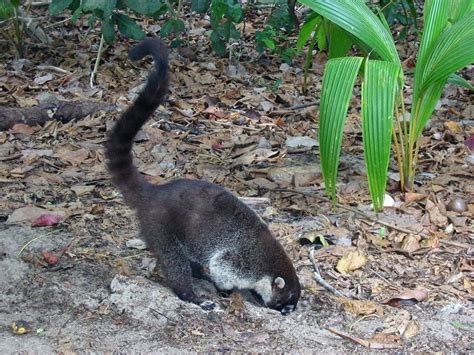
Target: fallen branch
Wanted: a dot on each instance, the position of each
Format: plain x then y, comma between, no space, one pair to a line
63,111
320,280
295,108
370,344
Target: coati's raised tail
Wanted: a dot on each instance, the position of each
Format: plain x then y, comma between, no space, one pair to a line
119,145
194,227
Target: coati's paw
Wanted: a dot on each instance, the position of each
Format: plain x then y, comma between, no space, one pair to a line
207,305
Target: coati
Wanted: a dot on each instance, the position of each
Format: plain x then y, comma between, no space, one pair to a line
196,228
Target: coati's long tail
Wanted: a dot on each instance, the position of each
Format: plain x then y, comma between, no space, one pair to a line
118,149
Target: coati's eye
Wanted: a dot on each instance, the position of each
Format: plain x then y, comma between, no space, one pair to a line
279,282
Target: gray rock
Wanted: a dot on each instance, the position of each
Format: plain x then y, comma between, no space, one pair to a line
299,175
301,143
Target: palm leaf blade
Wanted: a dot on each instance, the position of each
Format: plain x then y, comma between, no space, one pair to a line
338,84
378,100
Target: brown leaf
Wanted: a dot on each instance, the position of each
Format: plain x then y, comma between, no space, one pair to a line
97,209
431,242
81,190
436,217
23,129
410,243
411,329
216,112
453,126
407,298
359,307
73,156
468,286
351,261
413,197
30,214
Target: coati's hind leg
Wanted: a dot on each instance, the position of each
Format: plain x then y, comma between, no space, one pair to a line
175,265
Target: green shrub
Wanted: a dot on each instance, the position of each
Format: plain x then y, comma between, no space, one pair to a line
446,46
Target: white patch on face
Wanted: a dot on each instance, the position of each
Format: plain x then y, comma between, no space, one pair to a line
227,278
264,288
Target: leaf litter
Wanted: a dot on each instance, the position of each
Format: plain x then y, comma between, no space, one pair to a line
226,124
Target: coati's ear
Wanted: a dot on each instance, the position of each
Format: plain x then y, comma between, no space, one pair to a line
279,282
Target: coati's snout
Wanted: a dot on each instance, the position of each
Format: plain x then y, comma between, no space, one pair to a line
285,294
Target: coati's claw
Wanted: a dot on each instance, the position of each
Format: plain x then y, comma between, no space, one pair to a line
207,305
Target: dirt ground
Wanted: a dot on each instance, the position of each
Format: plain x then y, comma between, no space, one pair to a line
84,284
85,305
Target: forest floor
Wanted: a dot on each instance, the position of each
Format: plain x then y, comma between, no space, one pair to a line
407,275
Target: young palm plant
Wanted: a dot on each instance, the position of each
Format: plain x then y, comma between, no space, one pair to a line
447,45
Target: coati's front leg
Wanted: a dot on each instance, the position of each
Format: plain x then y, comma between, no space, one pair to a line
176,266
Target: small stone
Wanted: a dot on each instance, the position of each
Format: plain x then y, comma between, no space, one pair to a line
299,175
135,244
264,144
159,152
284,67
266,105
300,142
469,159
457,205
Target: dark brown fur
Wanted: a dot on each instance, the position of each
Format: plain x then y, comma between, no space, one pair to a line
192,226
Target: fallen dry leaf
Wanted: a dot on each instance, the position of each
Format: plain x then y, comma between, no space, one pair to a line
360,307
23,129
436,217
453,126
32,214
414,197
351,261
468,286
72,156
410,243
411,329
431,242
407,298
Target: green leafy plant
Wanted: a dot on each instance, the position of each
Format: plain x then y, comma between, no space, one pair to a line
110,13
9,14
275,35
446,46
318,32
401,12
225,14
174,26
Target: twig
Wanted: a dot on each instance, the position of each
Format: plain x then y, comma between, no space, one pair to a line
320,280
53,68
34,239
296,107
455,244
97,61
366,343
227,124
